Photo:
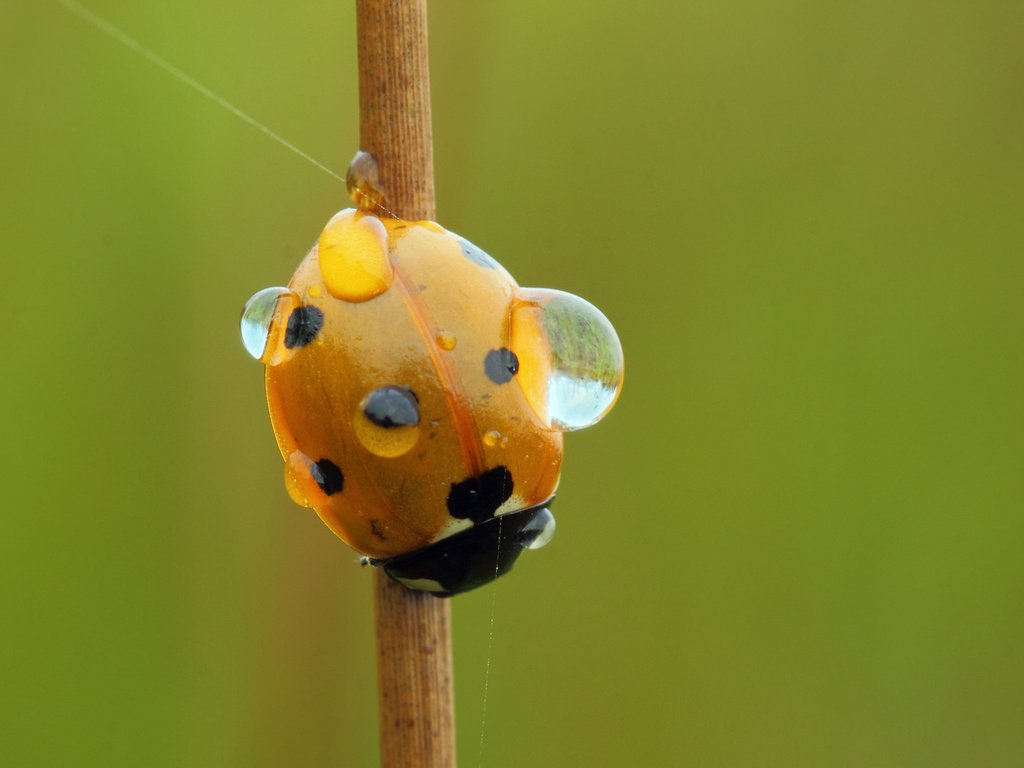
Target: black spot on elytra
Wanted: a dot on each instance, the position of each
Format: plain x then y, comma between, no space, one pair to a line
476,255
501,365
392,407
304,323
477,498
328,476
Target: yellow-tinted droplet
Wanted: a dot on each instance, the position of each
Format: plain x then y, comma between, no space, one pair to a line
387,422
492,437
446,340
529,343
363,183
353,255
315,290
297,478
387,443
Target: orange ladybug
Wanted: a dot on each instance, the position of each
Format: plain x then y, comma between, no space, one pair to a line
419,395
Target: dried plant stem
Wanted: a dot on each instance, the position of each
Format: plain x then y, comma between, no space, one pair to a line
414,677
394,102
414,653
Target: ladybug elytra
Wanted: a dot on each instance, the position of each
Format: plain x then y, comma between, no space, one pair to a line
419,395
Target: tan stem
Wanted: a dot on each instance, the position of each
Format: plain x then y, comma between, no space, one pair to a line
394,102
414,652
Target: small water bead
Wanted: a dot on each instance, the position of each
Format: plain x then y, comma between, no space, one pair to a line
392,407
446,341
544,523
363,182
387,422
260,333
353,256
492,437
570,357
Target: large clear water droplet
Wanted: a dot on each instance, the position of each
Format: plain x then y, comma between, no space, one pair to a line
570,359
258,319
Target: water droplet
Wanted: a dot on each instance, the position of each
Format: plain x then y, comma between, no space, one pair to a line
544,523
492,437
387,422
392,407
297,478
260,332
570,359
363,182
446,341
315,290
353,256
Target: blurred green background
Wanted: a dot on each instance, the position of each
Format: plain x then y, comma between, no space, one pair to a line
797,541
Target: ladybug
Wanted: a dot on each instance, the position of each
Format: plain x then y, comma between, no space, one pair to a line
419,395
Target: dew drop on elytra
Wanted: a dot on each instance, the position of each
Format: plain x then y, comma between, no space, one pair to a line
257,323
570,358
387,422
446,341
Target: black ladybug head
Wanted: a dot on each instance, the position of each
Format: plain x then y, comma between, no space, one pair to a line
474,556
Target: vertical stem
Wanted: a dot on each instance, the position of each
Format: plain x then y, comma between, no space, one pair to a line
414,677
394,102
414,653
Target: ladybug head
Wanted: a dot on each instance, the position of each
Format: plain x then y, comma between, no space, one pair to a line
474,556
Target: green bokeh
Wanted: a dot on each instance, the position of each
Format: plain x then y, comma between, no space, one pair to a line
796,542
